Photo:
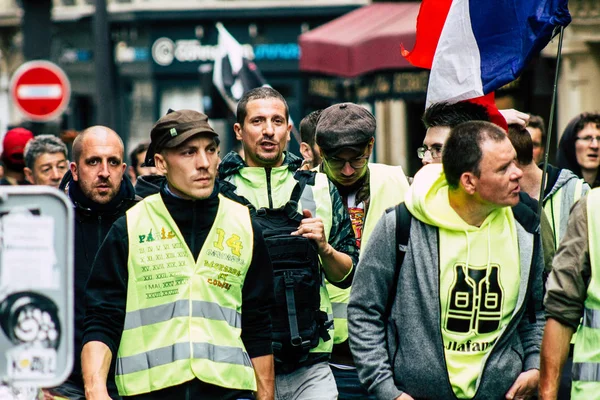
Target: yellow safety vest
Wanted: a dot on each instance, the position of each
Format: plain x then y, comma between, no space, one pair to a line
387,186
183,317
273,188
586,356
557,209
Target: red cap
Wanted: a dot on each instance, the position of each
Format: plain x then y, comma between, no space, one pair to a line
14,145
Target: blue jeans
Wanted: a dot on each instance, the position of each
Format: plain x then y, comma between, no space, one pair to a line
348,385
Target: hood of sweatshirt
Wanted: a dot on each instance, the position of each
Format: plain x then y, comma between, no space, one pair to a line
427,200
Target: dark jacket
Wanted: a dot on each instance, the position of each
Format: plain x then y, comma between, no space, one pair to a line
106,293
92,223
146,185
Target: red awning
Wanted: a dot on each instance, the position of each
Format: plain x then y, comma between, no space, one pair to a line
364,40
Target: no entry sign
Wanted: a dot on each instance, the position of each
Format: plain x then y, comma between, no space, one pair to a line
40,90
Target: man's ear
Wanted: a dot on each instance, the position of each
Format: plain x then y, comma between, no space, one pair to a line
237,128
28,175
161,164
469,181
73,168
306,152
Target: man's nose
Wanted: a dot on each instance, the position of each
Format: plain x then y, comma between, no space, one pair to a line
104,170
427,159
347,169
55,174
202,160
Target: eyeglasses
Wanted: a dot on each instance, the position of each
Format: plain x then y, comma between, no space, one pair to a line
435,151
589,139
338,163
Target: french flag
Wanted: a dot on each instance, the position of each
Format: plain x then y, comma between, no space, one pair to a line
474,47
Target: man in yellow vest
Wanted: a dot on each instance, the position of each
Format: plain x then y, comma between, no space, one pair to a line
461,315
573,292
345,134
181,290
268,178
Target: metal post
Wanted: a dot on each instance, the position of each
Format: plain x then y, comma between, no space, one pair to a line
550,122
104,68
37,29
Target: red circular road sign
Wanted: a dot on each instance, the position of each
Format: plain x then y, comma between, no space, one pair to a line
40,90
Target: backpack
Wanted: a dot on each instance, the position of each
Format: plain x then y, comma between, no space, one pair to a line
298,322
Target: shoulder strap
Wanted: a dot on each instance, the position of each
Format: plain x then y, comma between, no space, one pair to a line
403,221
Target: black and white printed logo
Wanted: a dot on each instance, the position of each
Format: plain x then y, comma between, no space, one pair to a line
475,300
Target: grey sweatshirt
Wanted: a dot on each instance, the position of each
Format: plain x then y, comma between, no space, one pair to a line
404,351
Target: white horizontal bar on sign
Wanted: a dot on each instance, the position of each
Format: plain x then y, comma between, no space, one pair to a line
52,91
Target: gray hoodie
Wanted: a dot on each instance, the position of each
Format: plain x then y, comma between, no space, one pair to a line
404,351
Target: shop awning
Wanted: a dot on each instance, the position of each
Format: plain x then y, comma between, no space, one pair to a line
362,41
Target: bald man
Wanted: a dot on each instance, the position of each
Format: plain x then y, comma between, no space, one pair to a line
100,194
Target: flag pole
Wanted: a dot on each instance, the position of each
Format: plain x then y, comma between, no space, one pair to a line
550,122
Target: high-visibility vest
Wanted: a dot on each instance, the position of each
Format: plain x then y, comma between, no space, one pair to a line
272,188
558,206
586,355
387,186
183,317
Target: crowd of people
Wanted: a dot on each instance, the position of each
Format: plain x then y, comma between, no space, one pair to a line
272,276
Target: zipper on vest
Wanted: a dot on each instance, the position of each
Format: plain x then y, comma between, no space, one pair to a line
268,173
193,241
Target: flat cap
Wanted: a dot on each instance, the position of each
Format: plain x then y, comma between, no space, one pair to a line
175,128
345,125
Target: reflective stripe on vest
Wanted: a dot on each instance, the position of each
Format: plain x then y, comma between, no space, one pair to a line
183,317
586,358
181,308
387,187
253,184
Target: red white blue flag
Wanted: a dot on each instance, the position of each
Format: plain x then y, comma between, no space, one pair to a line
474,47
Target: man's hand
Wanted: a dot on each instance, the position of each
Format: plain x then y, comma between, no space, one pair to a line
404,396
513,116
525,386
313,228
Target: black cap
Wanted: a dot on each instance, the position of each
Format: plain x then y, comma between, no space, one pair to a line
345,125
175,128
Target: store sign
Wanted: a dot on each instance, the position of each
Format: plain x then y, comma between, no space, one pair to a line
166,51
381,85
70,56
128,54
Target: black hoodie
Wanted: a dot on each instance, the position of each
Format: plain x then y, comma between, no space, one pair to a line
92,223
146,185
566,157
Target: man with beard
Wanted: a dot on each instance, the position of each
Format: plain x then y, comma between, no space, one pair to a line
268,180
346,136
100,195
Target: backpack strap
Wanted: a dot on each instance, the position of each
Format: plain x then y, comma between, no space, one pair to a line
291,207
403,221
